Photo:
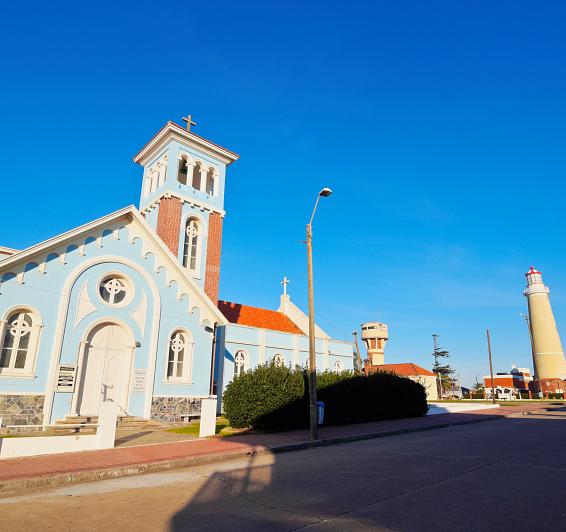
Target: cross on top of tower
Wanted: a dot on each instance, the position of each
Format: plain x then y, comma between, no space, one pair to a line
285,282
189,120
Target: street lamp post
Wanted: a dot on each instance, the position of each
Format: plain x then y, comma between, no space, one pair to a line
325,192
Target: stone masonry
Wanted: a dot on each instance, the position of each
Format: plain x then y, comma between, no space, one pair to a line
21,409
175,409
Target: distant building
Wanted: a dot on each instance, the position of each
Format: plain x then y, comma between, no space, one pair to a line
519,382
411,371
375,335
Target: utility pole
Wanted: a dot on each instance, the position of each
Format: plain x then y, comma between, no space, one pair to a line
358,357
490,367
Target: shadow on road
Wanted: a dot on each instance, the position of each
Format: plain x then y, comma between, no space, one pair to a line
505,474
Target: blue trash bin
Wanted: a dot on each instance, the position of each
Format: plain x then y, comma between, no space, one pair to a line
320,412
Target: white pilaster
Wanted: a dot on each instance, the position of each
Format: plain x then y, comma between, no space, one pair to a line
296,353
325,357
203,174
78,377
261,343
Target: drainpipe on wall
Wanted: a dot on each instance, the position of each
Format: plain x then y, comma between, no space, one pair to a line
212,390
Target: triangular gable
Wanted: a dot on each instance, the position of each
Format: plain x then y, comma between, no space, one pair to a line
138,229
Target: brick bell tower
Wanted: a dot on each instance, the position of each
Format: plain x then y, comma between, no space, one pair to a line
183,198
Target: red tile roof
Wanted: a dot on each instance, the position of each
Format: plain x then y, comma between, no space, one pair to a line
258,317
405,369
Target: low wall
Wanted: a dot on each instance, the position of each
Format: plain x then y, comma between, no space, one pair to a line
21,409
40,445
448,408
36,445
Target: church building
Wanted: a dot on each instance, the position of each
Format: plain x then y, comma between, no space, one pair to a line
126,308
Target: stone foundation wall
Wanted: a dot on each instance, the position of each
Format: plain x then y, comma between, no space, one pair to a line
175,409
21,409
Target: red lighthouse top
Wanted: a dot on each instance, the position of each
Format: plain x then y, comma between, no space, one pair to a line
533,276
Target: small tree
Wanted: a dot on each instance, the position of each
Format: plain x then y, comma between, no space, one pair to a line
443,371
479,390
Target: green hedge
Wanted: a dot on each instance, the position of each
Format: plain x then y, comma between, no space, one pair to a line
273,397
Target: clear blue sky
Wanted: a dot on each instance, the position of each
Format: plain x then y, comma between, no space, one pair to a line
440,128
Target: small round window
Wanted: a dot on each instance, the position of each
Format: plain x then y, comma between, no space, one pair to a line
113,290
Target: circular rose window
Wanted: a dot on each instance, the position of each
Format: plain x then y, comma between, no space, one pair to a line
113,290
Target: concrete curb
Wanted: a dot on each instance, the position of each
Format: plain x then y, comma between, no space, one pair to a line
9,487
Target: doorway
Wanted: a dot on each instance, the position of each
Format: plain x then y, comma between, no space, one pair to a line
106,369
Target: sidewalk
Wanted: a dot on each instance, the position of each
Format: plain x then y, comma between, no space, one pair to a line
42,471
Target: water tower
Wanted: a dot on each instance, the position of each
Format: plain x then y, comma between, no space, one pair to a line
375,334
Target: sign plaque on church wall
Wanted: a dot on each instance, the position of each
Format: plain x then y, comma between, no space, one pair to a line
138,380
66,378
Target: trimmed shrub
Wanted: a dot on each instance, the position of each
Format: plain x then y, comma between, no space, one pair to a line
277,398
261,391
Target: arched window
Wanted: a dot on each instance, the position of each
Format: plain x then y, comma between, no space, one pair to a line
338,368
279,360
183,171
180,357
20,335
210,182
196,176
239,363
192,245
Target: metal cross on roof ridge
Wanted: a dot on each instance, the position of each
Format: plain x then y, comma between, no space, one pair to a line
285,282
189,120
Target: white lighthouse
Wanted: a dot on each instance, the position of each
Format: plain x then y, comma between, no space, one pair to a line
548,354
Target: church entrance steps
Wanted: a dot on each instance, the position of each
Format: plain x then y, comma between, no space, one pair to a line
136,422
88,424
76,420
75,425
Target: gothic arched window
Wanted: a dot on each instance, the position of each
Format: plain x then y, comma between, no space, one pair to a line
183,171
191,247
179,357
239,363
210,182
279,360
20,335
338,368
196,176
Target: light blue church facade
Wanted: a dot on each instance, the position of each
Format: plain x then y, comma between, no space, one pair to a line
126,307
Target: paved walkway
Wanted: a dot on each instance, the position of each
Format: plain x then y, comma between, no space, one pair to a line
36,471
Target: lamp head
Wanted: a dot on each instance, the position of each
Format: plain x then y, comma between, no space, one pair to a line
325,192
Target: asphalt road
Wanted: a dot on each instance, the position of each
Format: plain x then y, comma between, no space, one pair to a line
508,474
